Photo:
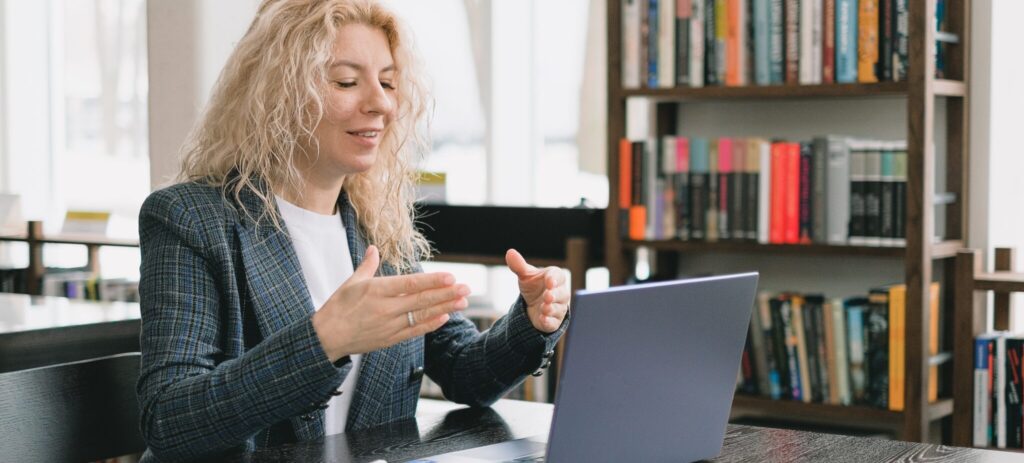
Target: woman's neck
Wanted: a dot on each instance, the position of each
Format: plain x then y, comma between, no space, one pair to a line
315,195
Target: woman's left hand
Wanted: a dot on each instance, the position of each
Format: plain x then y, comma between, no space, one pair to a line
545,290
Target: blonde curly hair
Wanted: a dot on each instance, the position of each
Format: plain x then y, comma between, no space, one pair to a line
270,97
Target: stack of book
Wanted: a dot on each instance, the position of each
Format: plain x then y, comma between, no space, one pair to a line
998,415
809,348
668,43
834,190
86,285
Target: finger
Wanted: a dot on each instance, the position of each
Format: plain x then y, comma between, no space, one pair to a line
428,298
425,327
368,268
445,307
553,277
411,284
517,264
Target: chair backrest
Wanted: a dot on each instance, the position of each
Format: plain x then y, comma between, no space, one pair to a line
80,411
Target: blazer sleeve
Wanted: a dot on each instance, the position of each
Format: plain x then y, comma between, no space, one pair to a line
477,369
193,401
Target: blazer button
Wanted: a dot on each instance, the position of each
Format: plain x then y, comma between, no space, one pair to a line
337,393
417,373
537,373
549,354
547,363
308,417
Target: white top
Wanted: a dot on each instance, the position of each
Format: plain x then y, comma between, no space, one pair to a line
321,244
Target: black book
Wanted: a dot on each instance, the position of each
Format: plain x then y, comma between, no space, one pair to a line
806,192
698,203
858,187
876,327
810,340
710,45
883,69
1014,418
683,48
779,351
819,184
887,228
873,196
817,304
681,197
737,191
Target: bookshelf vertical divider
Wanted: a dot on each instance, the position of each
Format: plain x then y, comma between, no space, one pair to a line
923,258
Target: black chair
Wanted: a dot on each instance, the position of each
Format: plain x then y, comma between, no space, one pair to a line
80,411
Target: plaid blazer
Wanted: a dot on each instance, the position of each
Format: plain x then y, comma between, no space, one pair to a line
230,360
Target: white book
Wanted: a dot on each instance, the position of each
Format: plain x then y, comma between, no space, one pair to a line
667,44
838,194
817,39
764,196
697,44
839,333
631,43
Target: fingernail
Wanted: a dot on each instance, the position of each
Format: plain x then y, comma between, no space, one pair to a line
463,291
448,279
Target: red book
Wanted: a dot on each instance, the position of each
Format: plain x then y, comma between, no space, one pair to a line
776,230
791,207
828,62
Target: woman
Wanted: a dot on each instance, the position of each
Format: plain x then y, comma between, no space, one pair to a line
281,294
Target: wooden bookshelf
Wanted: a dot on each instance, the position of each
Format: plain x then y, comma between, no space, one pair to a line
920,257
971,320
35,239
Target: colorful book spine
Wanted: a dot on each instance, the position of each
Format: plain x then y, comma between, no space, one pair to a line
982,391
828,57
697,44
698,187
792,46
684,12
846,41
777,221
855,336
710,43
725,187
791,191
682,188
762,43
776,45
806,194
867,41
666,44
901,37
764,183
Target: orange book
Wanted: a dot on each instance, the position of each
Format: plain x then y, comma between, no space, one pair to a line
791,206
733,76
867,41
897,346
625,173
776,230
637,222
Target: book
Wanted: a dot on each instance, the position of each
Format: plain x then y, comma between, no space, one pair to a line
684,14
846,41
776,45
877,357
762,42
837,150
983,353
697,43
855,308
631,43
792,41
867,41
666,44
828,57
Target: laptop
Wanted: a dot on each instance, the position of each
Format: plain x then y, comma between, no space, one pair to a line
649,374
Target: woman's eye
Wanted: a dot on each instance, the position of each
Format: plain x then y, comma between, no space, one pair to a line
387,85
345,84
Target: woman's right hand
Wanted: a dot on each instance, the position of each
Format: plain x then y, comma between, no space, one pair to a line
368,313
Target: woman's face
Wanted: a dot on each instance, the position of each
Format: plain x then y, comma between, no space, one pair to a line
359,103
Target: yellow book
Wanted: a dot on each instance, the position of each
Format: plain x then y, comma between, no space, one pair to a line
897,346
933,342
867,41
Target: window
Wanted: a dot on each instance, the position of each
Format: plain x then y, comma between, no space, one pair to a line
75,82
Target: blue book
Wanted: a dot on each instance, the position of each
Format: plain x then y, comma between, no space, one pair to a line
652,44
855,337
776,47
762,41
846,41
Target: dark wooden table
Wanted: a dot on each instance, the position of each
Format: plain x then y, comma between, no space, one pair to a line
442,427
37,331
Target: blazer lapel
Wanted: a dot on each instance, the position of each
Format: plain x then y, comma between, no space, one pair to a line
276,287
376,372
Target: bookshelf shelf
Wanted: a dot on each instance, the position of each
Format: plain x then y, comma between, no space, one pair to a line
922,259
940,250
881,89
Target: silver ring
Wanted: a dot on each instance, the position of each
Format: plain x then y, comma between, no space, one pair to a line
412,320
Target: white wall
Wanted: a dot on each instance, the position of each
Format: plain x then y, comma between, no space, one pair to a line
189,42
